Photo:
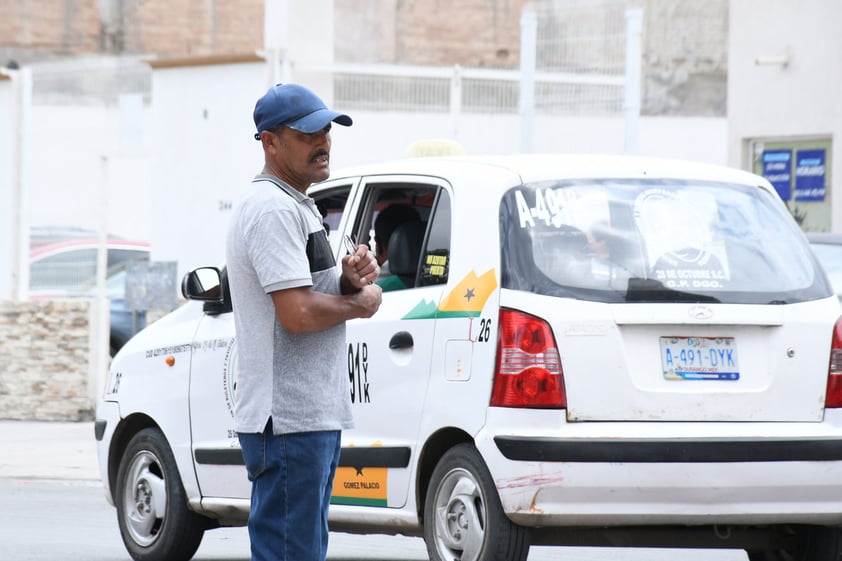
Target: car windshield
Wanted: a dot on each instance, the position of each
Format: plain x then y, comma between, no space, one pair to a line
655,241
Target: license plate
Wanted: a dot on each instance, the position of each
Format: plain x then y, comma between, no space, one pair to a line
699,358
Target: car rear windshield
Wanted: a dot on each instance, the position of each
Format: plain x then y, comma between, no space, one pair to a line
655,241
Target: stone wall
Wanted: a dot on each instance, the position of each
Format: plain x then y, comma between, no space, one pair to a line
45,349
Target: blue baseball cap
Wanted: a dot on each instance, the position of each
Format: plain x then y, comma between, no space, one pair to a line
295,107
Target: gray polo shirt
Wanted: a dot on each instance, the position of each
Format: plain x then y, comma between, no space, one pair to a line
276,240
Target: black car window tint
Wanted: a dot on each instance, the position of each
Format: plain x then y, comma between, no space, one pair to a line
331,205
400,210
435,259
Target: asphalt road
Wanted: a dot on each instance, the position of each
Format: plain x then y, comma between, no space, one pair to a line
70,520
53,508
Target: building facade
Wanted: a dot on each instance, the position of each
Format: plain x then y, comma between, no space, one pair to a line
685,52
784,114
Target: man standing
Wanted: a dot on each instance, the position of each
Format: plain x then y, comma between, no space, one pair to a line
290,307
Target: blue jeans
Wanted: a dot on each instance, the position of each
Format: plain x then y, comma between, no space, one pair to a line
291,481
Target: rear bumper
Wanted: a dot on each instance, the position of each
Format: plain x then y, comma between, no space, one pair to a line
551,473
671,450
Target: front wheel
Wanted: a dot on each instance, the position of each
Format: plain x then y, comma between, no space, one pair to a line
152,512
463,518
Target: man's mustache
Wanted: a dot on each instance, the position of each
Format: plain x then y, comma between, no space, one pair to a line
319,154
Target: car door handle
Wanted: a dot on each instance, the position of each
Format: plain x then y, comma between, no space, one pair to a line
401,340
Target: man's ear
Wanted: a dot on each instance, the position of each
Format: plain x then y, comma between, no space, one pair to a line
266,138
271,141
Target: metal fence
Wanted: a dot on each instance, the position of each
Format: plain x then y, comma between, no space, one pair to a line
580,67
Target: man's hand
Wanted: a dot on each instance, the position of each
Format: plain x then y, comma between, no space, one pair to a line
369,298
361,268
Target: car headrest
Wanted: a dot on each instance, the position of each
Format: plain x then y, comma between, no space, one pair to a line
405,248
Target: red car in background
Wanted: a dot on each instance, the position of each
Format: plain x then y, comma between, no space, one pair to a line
63,264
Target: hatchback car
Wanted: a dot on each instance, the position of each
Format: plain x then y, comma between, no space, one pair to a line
588,350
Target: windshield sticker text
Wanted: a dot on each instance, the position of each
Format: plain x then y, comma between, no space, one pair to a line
551,207
683,247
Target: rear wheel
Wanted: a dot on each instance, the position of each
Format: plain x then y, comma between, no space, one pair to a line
463,518
803,543
152,512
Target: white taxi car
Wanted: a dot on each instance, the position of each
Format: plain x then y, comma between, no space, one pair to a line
586,350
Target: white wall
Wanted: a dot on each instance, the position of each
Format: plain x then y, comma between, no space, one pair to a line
800,98
88,170
8,248
203,152
793,101
385,136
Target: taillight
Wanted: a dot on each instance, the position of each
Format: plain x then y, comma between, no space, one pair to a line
834,371
528,372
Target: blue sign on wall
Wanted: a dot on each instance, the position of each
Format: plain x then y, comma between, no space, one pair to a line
809,175
777,169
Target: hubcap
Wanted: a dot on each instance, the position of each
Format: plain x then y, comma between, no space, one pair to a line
145,498
460,517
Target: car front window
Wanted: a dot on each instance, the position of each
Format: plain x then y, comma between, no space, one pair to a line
624,240
331,204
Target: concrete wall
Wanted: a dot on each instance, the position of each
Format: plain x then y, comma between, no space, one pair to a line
202,151
96,179
8,203
44,374
771,101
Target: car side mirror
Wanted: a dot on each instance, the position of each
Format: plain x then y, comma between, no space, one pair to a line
203,284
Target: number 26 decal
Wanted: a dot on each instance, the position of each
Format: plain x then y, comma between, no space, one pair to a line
484,333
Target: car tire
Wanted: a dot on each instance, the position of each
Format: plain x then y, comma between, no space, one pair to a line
804,543
463,517
152,512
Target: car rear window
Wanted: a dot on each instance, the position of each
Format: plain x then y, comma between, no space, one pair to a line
655,241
